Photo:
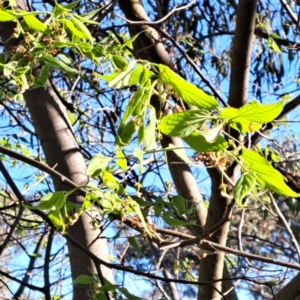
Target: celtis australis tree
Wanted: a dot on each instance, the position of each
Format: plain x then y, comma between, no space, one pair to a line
152,141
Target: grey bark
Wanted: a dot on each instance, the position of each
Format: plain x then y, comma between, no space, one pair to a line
54,131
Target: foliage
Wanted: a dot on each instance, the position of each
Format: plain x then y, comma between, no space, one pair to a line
60,46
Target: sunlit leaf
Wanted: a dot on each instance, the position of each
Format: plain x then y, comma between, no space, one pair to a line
268,177
35,23
187,91
184,123
199,143
6,15
98,163
251,116
53,62
55,201
243,187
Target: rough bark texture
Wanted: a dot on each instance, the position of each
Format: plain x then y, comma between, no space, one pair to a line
152,50
61,150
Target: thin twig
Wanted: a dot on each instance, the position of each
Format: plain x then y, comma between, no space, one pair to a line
285,223
160,20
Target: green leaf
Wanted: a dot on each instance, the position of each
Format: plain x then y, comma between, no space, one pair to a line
64,58
109,180
82,28
6,15
35,23
44,74
167,216
136,208
267,176
198,142
56,219
122,80
99,51
74,30
187,91
252,115
125,292
121,160
100,296
184,123
53,62
134,244
55,201
71,5
179,203
150,137
85,279
125,134
21,71
243,187
212,134
133,104
98,163
180,153
159,206
136,75
120,62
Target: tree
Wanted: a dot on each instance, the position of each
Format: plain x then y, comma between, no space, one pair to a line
77,89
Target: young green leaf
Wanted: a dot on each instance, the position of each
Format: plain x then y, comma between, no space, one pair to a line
212,134
56,219
6,15
53,62
44,74
132,105
180,153
125,134
122,80
82,28
251,116
150,138
109,180
266,175
128,295
179,203
243,187
51,201
199,143
134,244
159,206
136,208
184,123
98,163
121,160
167,216
35,23
74,30
120,62
187,91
